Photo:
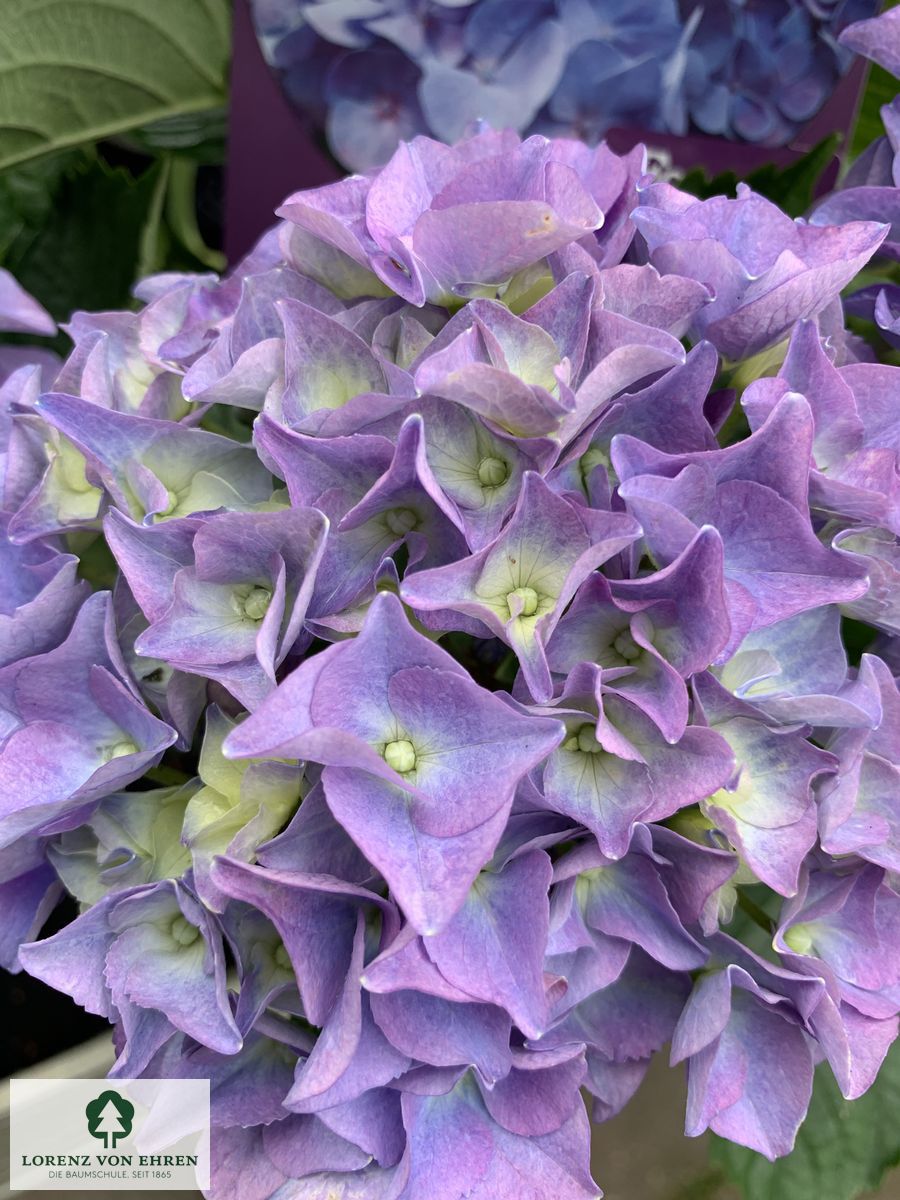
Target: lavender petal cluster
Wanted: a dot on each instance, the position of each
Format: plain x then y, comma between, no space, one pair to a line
372,73
469,718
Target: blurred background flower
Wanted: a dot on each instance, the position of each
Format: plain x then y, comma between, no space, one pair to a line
370,72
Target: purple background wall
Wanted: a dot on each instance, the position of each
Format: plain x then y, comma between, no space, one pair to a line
270,152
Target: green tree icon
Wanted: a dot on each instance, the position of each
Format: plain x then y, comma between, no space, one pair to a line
109,1117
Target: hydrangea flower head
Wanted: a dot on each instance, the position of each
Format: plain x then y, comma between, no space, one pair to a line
446,718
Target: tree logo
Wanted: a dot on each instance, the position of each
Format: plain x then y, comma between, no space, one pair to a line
109,1117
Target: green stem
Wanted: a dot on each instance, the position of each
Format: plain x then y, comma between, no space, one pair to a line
150,251
181,213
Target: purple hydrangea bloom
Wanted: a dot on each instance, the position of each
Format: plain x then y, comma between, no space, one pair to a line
236,607
746,1003
877,38
756,72
21,313
765,271
419,771
157,961
517,587
419,728
73,730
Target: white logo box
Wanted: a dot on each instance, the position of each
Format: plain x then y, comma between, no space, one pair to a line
109,1135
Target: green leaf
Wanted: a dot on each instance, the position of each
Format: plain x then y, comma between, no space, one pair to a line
181,213
75,71
791,188
96,562
201,136
86,256
153,243
843,1147
857,638
703,186
26,195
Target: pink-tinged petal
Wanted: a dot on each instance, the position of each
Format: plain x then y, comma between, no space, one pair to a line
620,354
841,920
371,1121
668,302
303,1145
325,364
491,1163
877,38
628,900
492,950
167,956
730,1081
519,585
461,243
764,271
333,214
540,1093
240,1167
21,313
150,557
405,966
464,374
244,384
429,876
446,1033
351,1055
316,917
854,1044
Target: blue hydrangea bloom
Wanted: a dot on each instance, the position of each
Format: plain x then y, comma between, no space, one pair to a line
373,72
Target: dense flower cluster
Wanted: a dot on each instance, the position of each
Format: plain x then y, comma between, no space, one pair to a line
509,733
375,72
